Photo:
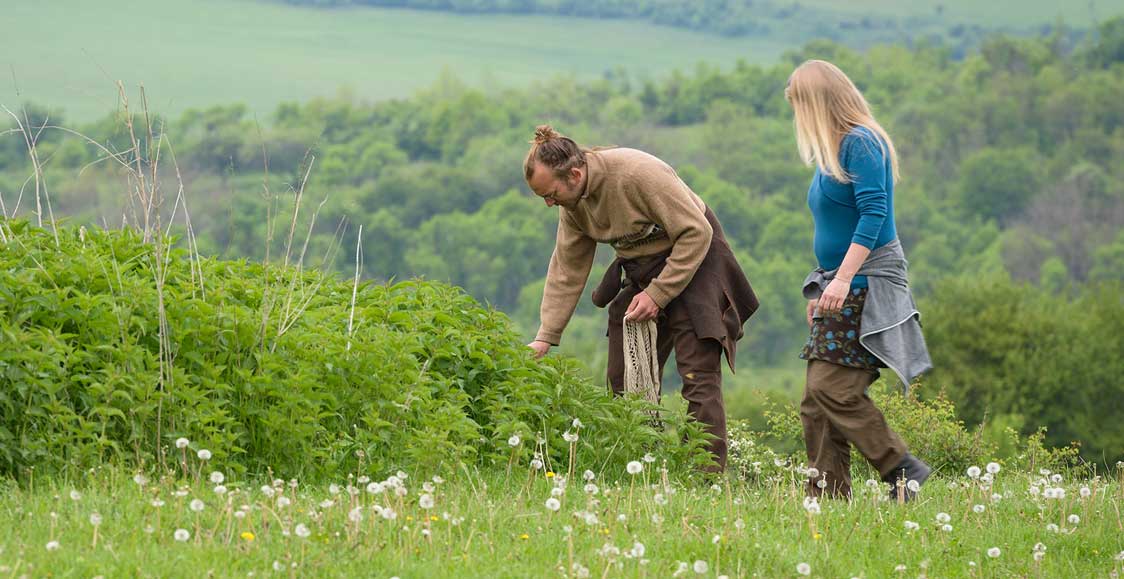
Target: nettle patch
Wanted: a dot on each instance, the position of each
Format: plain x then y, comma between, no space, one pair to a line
273,369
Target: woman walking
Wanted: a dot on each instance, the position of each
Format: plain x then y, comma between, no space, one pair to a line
860,310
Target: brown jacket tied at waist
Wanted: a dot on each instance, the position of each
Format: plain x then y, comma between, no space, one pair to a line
718,298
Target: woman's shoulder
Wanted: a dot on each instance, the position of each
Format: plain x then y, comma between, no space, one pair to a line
861,141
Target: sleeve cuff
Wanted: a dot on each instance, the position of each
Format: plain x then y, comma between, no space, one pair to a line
552,338
864,240
659,296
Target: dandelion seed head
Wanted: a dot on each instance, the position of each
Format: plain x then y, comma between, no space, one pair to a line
514,440
979,509
53,545
943,517
552,504
913,486
1085,492
140,479
220,490
1052,528
217,477
911,526
634,467
204,454
283,501
196,505
181,535
993,468
993,552
355,515
973,472
701,567
813,472
333,489
570,436
590,488
648,458
182,442
536,464
302,531
425,501
1073,519
804,569
95,519
157,503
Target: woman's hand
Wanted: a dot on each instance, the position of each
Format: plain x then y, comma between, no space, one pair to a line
832,299
811,310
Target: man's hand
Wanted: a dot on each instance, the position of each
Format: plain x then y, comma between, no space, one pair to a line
540,348
832,299
642,308
811,310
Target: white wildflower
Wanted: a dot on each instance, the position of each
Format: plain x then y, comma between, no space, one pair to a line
182,535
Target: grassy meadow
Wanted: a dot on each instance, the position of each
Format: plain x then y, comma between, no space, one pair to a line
527,522
261,53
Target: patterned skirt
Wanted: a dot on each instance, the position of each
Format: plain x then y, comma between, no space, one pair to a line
835,338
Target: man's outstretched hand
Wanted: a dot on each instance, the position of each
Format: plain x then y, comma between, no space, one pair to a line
540,348
642,308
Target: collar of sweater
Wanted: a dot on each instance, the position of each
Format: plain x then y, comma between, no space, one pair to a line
594,174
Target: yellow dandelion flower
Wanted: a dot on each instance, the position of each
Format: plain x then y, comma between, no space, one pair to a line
247,536
549,474
817,536
524,536
409,518
434,518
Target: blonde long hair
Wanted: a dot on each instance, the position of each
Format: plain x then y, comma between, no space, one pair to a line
827,106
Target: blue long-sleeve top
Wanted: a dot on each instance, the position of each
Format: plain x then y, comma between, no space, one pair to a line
861,211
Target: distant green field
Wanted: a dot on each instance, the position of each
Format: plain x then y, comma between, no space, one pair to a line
68,53
991,14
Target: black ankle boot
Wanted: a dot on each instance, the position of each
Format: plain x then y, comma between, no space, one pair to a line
909,469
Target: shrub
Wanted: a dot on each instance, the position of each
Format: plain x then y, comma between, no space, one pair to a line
262,372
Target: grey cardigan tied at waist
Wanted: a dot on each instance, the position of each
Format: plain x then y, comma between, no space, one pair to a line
891,324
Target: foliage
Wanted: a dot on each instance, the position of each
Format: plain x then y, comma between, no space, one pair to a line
266,374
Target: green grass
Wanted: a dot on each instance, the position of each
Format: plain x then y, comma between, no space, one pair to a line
68,53
996,13
497,525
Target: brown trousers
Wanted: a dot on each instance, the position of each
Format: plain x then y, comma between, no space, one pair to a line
699,362
836,412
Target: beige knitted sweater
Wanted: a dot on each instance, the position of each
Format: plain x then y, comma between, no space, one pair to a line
636,203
